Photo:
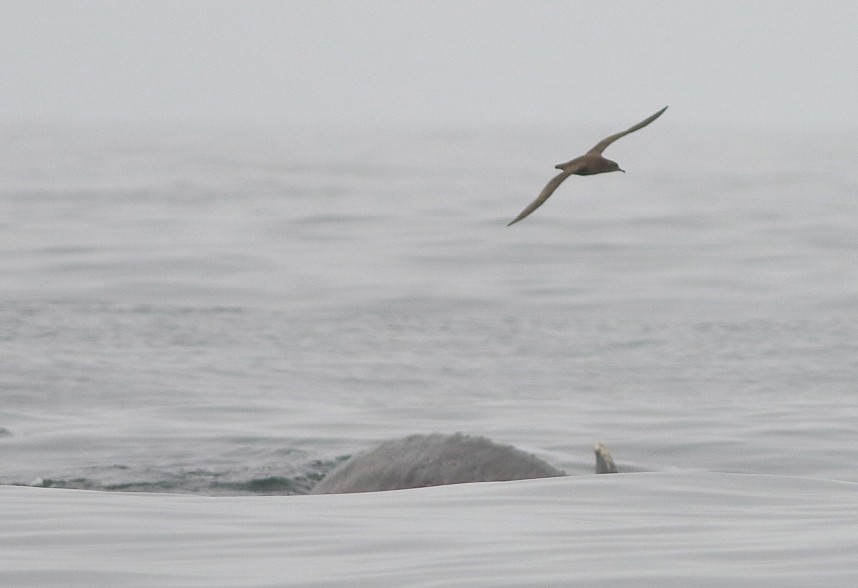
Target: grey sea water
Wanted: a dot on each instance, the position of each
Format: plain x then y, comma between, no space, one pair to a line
230,311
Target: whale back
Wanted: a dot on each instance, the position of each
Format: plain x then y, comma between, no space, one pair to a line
433,460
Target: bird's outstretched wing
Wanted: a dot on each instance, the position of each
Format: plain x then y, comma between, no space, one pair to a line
547,191
603,144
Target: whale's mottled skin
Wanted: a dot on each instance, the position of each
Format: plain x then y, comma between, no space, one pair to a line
588,164
436,460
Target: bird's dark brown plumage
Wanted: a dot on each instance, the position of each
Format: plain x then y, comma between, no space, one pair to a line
590,163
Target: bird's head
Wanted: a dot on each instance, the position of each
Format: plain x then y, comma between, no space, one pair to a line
611,166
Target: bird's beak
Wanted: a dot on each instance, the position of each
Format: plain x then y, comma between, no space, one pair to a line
622,170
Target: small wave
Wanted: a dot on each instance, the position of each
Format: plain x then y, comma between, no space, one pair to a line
270,485
73,484
199,481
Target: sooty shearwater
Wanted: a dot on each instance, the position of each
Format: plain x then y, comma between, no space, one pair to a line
588,164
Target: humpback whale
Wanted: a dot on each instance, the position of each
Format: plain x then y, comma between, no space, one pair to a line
435,460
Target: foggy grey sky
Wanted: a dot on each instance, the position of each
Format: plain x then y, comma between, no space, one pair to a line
430,63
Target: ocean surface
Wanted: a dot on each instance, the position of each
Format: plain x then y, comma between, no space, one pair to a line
231,312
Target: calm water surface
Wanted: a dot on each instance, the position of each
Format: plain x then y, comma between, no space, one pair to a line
232,311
